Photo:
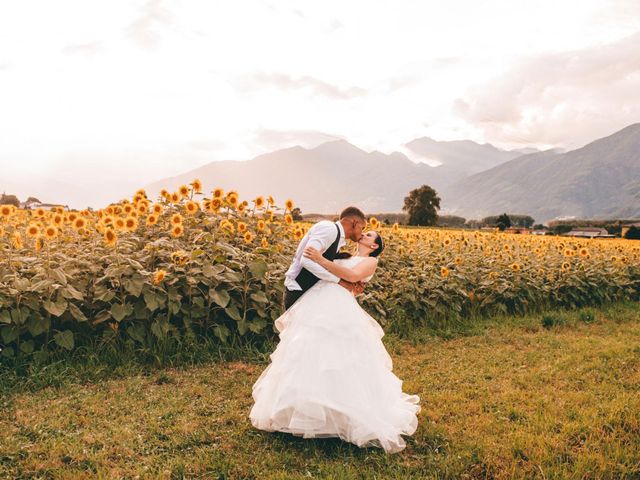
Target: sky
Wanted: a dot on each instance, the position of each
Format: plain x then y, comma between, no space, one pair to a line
100,98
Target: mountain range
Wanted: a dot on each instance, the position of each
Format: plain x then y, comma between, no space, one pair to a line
601,179
335,174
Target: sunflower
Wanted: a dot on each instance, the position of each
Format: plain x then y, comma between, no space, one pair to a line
131,223
248,237
298,234
183,191
38,243
215,205
259,202
447,242
227,225
232,199
40,212
373,221
7,210
458,260
191,207
242,207
177,230
197,186
264,242
79,223
444,272
179,257
142,208
242,227
152,219
175,197
395,227
565,266
164,193
33,230
288,204
271,200
120,223
261,225
110,237
58,219
584,252
288,219
159,276
71,217
176,219
127,208
157,208
51,232
515,267
218,193
16,240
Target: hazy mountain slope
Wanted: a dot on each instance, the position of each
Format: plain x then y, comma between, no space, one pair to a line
600,179
323,179
459,158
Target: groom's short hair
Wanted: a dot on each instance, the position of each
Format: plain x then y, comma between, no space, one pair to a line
352,212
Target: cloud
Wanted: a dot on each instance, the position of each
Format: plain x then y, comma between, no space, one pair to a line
87,49
143,30
258,81
275,139
578,95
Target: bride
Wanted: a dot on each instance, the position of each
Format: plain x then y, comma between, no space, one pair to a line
330,375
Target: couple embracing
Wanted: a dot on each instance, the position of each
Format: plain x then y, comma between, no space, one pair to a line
331,375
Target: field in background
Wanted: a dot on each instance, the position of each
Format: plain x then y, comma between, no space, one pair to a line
193,267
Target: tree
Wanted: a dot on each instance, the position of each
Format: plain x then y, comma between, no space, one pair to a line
503,222
421,205
9,200
633,233
296,213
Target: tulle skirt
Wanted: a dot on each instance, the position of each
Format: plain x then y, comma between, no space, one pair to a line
331,376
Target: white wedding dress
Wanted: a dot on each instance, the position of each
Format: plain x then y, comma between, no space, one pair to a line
331,375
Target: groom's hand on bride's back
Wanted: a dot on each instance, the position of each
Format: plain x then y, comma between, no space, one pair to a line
355,288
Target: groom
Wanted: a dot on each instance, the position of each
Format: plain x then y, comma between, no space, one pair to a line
328,237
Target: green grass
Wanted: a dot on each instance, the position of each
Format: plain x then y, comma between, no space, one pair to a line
502,398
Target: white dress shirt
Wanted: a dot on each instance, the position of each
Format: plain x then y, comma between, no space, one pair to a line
320,236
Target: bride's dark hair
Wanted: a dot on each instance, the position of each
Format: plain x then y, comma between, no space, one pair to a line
375,253
380,248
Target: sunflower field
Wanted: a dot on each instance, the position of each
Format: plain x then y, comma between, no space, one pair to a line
192,264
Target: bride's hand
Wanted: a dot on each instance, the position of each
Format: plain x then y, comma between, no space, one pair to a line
313,254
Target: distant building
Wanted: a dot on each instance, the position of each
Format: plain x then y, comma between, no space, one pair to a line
45,206
538,232
589,232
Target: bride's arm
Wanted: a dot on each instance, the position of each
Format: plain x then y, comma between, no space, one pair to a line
361,271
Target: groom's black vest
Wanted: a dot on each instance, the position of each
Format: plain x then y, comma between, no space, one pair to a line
305,278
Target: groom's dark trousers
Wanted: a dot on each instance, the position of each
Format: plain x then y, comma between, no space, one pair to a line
306,279
290,297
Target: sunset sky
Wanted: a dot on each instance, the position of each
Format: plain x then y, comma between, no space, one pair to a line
123,93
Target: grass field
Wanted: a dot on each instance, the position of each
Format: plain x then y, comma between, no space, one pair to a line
508,398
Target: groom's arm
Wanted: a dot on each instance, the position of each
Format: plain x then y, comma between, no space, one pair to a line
321,236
